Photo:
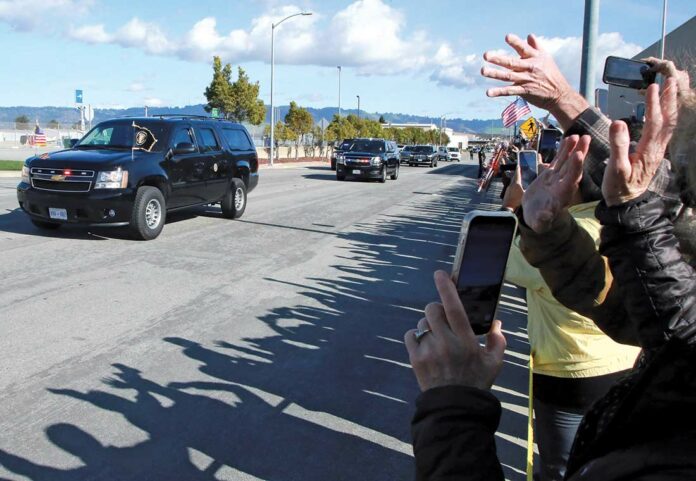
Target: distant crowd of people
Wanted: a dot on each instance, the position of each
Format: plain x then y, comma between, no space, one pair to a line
606,252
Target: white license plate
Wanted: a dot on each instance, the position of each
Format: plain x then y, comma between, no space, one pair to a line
356,171
60,214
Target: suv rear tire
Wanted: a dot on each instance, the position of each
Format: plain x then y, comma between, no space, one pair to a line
235,200
149,213
45,225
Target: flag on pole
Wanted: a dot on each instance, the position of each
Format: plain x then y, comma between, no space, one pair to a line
515,111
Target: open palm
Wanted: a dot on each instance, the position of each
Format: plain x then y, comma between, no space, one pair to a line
554,188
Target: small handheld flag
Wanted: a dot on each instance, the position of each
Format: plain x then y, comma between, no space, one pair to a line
515,111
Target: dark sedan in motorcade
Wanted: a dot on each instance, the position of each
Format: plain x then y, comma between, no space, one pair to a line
405,154
423,155
369,159
133,171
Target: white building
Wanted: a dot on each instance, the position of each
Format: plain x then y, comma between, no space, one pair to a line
457,139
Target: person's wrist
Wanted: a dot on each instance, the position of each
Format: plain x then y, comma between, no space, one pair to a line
568,107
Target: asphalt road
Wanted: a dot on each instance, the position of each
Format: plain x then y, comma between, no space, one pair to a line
266,348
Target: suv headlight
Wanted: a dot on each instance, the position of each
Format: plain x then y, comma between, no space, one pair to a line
376,160
114,179
25,174
340,158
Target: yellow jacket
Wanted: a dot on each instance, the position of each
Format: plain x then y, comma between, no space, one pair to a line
564,343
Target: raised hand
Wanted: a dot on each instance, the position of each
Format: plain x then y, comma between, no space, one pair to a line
450,354
555,187
628,176
536,78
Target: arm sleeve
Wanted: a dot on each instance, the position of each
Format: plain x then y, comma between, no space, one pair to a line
577,275
518,270
454,435
658,286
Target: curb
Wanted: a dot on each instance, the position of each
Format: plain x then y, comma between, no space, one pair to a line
10,174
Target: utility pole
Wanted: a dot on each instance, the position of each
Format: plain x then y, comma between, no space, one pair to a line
358,96
589,39
664,27
339,91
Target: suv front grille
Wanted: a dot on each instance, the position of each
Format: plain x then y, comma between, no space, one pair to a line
61,186
61,180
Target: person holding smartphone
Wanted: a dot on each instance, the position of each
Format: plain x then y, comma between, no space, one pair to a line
574,362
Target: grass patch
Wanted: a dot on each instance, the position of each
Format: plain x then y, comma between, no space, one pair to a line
11,164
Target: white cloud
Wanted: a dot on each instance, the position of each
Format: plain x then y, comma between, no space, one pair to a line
26,15
567,52
455,70
90,34
153,102
136,87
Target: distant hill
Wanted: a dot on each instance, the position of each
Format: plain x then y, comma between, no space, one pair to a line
69,115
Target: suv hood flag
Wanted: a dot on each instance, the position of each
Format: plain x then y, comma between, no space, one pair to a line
143,138
515,111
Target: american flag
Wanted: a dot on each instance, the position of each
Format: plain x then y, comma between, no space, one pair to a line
515,111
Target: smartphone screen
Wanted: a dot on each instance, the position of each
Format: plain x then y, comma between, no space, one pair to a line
482,268
548,144
528,166
627,73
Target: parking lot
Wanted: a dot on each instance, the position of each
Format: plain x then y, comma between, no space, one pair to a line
269,347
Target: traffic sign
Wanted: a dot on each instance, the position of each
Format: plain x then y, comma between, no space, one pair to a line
78,96
214,112
529,128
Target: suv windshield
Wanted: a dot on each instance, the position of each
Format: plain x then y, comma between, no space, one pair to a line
408,148
453,149
423,149
121,134
371,146
345,145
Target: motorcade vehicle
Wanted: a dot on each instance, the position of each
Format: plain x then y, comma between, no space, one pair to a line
368,159
405,154
453,154
342,147
423,155
133,171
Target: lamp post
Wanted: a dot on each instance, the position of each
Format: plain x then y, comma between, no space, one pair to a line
664,26
339,91
358,96
273,27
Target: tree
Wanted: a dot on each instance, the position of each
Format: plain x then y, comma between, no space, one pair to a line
236,101
22,122
219,92
381,119
247,107
340,128
53,124
300,122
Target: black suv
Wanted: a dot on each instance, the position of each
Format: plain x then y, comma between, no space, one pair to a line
341,148
133,171
369,159
423,155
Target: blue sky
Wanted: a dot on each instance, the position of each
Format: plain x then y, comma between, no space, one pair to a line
399,55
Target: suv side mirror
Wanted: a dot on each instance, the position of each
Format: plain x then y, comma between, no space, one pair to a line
184,148
73,142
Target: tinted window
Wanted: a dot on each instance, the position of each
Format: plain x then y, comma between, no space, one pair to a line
120,134
371,146
208,140
183,136
236,139
423,149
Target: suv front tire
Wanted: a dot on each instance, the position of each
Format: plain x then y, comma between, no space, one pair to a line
149,213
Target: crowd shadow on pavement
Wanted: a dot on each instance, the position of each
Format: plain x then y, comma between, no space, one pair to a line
327,396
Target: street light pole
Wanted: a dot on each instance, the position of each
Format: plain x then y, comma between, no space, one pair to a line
664,26
273,27
339,91
358,96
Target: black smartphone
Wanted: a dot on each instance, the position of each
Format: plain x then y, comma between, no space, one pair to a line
628,73
527,159
479,265
549,141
